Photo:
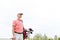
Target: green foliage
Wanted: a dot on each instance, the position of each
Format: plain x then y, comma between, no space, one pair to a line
37,37
58,38
44,37
55,38
50,39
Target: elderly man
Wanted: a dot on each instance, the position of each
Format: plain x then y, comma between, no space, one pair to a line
18,27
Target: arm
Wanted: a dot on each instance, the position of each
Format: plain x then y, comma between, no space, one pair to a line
13,30
13,25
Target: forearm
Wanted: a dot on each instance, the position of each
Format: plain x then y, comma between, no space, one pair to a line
13,31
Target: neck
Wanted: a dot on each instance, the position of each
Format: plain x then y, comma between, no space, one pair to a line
19,18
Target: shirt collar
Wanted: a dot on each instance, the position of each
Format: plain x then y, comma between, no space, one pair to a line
19,20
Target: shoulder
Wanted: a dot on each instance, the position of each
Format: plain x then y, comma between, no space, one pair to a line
14,20
21,20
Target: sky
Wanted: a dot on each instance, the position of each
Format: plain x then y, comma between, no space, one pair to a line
43,16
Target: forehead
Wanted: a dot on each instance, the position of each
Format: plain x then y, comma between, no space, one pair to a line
20,14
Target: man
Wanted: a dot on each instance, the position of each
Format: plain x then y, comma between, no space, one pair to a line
18,27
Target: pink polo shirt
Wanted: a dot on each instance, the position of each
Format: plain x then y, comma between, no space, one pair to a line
18,26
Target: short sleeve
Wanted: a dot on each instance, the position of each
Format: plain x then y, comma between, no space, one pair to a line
14,23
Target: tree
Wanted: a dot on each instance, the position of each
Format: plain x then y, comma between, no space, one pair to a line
37,37
55,38
58,38
45,37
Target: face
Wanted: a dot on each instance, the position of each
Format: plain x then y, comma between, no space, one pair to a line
19,16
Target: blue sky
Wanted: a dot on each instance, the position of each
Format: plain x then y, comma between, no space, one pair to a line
41,15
